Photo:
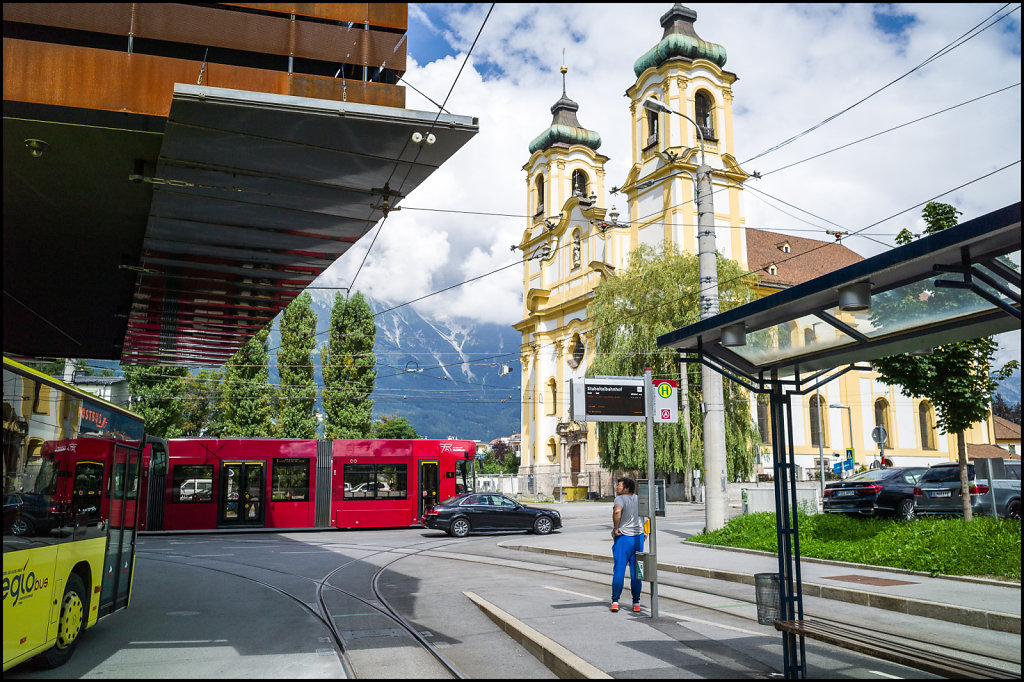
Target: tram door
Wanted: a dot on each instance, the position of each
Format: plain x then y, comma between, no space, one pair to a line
242,487
429,485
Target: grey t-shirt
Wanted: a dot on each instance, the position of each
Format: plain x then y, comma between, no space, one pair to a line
629,520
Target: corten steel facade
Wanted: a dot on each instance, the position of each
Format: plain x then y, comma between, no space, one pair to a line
126,57
175,174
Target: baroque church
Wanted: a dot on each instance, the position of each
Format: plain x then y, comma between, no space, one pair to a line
572,242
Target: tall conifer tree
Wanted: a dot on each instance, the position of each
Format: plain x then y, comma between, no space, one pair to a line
297,393
248,408
349,369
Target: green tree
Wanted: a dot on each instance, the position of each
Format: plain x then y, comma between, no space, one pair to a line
203,404
393,426
659,293
296,418
156,395
957,378
248,401
349,369
1001,408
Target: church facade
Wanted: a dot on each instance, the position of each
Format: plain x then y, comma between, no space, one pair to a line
572,242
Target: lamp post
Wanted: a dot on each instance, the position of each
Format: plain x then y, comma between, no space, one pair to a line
716,498
849,418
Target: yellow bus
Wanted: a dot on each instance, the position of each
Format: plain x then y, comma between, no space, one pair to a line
72,466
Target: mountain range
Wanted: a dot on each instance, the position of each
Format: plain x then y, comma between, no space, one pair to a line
443,375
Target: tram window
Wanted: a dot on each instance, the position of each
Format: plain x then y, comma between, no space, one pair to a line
392,481
192,483
117,481
46,479
290,480
376,482
464,476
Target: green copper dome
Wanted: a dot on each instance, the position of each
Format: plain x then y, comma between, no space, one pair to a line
679,40
565,129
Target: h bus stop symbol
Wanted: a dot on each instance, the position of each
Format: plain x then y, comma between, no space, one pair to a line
666,404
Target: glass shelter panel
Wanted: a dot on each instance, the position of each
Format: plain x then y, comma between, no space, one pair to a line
790,340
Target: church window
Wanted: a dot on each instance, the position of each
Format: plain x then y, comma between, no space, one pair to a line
927,420
652,128
764,422
705,110
882,418
576,248
578,351
809,337
540,195
817,422
579,183
552,397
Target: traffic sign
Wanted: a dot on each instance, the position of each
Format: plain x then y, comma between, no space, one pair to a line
666,402
837,467
848,465
878,434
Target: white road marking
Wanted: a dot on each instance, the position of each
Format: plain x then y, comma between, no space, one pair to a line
891,677
184,641
668,615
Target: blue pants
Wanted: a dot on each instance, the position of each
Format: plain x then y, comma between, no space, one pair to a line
624,551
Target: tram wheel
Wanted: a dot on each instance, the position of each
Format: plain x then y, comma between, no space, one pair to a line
459,528
73,611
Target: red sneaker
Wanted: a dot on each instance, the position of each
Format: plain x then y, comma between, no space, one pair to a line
636,608
615,606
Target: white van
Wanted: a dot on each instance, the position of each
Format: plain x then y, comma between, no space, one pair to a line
196,490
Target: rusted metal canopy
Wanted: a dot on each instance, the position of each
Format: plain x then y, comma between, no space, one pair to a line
253,196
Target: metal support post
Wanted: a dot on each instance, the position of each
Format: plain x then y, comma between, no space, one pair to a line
651,493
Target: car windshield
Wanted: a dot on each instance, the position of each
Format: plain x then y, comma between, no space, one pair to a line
950,474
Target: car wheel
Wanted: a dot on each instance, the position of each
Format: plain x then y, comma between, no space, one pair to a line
21,526
73,611
1013,510
906,510
542,526
459,528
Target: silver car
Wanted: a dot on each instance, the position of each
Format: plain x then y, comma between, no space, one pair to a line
938,492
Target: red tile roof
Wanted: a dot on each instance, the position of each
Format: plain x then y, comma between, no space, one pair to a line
764,249
988,451
1005,429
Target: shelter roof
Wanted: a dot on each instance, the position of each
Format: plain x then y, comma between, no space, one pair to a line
958,284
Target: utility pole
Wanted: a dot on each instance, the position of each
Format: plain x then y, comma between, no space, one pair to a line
715,496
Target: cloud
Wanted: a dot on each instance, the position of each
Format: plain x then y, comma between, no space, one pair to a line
797,65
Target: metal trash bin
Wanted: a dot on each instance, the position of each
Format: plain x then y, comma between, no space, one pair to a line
766,589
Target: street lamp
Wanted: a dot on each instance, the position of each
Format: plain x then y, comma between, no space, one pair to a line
716,498
849,418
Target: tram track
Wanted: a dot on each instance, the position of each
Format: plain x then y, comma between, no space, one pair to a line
567,568
322,612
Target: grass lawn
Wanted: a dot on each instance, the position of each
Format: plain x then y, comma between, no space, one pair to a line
984,547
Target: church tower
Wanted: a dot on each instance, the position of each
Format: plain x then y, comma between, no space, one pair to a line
685,73
564,251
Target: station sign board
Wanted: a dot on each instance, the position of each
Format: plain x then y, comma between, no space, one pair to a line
607,399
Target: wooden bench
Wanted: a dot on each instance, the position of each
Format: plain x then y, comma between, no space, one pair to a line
878,647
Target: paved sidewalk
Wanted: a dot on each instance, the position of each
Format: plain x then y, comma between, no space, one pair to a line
573,632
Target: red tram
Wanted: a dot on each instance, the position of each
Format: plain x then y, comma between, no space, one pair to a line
299,483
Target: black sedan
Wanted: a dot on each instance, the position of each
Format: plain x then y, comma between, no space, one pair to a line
887,491
29,514
461,514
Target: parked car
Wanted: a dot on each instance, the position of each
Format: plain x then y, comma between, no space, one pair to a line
28,514
461,514
938,492
885,491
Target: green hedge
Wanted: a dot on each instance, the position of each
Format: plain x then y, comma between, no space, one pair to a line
983,547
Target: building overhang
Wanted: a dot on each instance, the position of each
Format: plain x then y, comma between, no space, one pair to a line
174,246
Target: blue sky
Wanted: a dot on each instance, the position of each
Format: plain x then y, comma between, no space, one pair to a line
797,65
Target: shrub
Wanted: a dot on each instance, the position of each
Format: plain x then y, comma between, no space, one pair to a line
951,546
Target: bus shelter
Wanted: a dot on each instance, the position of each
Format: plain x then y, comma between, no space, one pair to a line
958,284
